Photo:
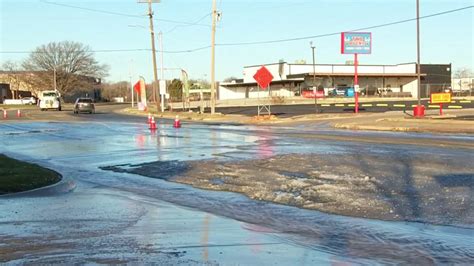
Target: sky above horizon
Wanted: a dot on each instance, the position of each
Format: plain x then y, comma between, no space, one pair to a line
118,31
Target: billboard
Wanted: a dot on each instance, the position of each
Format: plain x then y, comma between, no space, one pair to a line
444,97
356,43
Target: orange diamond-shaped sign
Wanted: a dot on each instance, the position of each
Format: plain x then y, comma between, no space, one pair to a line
263,77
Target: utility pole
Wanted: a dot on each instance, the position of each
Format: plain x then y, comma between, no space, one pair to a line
315,91
418,50
54,77
162,73
153,50
213,44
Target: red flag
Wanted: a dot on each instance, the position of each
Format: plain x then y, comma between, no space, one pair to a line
137,87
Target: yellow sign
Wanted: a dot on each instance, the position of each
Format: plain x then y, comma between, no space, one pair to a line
441,97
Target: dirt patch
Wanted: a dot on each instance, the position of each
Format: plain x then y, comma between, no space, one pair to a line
392,187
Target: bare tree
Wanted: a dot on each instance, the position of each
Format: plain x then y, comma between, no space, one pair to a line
117,89
463,72
72,63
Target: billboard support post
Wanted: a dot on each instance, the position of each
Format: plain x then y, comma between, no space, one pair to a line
356,43
356,85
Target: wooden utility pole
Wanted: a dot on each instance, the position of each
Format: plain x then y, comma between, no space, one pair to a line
153,50
213,44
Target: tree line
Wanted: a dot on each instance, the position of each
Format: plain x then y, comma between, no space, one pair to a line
67,66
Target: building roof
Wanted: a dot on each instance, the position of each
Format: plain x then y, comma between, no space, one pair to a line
396,75
255,83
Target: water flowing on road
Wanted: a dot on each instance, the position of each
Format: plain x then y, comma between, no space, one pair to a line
121,210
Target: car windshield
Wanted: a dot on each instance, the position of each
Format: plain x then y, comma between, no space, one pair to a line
84,101
49,94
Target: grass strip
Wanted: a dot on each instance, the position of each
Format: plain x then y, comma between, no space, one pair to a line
17,176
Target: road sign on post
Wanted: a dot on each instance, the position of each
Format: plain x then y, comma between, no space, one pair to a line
263,78
440,98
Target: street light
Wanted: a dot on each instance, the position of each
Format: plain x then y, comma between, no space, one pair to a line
314,79
419,111
418,50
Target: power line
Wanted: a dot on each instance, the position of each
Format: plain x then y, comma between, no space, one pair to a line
262,42
338,33
196,23
118,50
93,10
121,14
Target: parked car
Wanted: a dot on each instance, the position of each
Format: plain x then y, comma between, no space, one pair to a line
85,105
28,100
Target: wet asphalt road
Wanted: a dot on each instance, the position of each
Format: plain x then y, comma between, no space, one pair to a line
105,217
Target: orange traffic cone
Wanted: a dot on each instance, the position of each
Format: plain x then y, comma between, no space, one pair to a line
149,118
152,124
18,113
177,123
5,114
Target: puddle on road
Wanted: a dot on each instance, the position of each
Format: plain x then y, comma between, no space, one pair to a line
350,239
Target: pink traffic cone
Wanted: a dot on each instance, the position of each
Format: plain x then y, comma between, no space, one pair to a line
177,123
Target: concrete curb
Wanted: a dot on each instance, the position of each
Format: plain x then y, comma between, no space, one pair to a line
65,185
402,129
399,122
378,128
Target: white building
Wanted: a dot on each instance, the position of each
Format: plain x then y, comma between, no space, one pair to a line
291,79
462,85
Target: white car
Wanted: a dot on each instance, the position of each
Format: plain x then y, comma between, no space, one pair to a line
28,100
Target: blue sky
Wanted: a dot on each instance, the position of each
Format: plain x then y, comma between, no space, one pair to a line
26,24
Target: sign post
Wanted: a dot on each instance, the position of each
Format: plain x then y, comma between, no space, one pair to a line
356,85
444,97
263,78
356,43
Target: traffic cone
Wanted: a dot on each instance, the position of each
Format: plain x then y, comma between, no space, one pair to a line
177,123
152,124
5,114
18,113
149,118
